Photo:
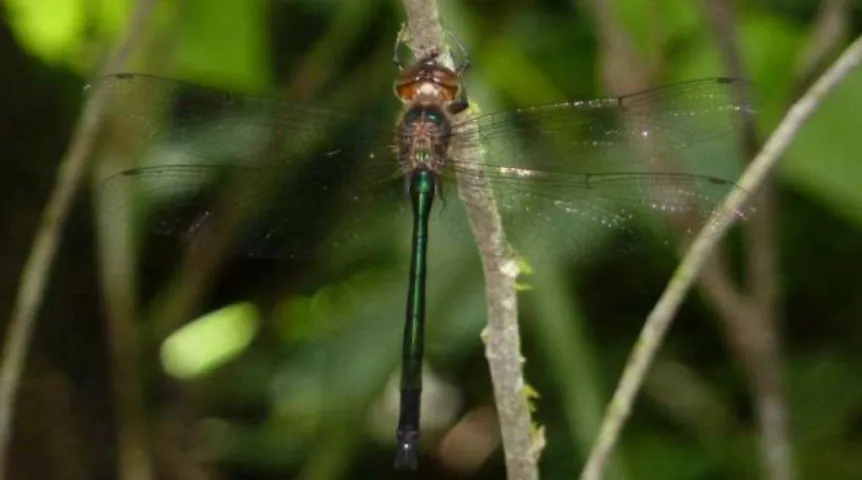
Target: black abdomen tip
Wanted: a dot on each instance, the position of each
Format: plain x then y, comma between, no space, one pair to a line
407,457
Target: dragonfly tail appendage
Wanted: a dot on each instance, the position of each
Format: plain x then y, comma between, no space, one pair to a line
407,457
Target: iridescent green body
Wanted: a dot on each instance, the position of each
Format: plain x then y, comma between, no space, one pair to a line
422,191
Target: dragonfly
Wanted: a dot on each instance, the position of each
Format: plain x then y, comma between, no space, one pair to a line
305,179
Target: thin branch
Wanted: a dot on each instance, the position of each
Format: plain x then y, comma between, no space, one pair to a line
659,320
35,273
502,336
425,32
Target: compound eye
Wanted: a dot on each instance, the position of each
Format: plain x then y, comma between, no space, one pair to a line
405,91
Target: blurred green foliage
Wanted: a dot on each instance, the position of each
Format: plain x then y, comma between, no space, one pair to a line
209,341
307,397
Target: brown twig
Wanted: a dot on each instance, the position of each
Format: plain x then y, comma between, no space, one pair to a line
621,69
118,280
750,319
502,337
37,268
660,318
831,29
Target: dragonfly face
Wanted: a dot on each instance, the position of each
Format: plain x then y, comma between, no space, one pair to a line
427,80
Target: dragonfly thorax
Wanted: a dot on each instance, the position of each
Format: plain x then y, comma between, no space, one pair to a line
423,138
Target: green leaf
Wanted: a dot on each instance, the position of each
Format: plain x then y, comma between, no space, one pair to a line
823,161
655,26
50,29
210,341
767,45
224,42
825,396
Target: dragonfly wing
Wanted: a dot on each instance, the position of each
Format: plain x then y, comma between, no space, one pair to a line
637,169
266,170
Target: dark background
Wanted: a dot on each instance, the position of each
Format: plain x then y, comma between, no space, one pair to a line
299,388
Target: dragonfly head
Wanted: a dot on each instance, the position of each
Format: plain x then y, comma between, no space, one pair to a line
427,79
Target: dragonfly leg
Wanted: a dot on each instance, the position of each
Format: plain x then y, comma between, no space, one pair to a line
457,106
402,36
465,58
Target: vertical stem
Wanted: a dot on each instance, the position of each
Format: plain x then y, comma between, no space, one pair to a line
521,446
38,266
752,324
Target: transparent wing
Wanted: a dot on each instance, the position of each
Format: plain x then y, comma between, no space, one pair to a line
638,169
287,179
